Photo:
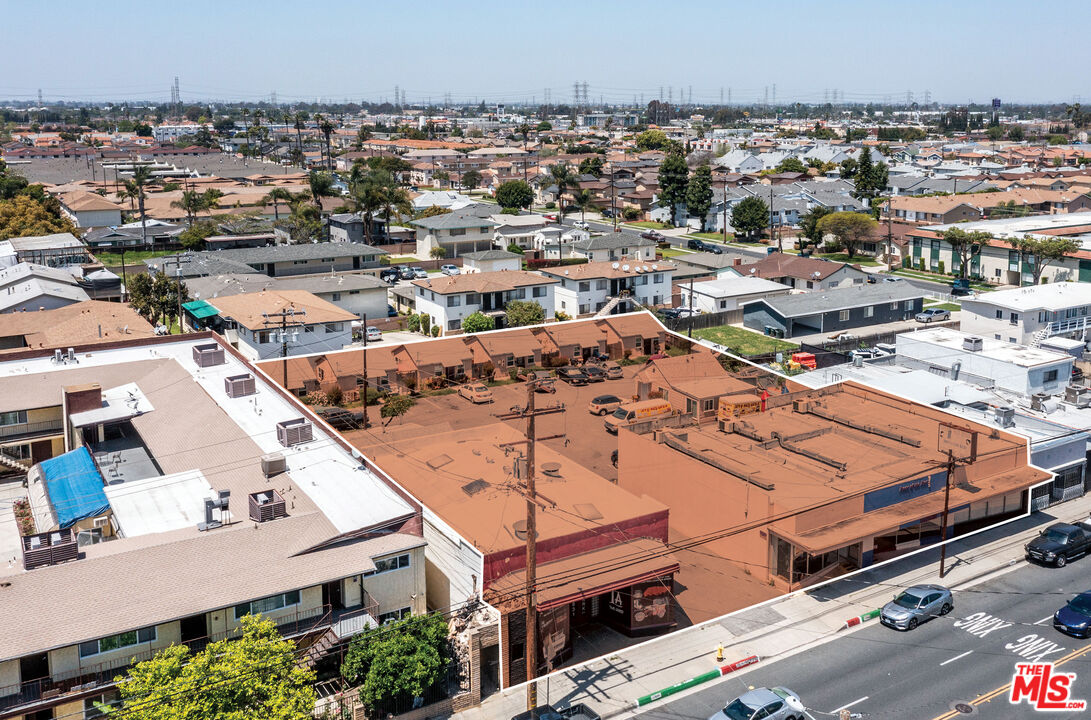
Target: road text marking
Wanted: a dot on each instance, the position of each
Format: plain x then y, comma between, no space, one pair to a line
981,624
956,657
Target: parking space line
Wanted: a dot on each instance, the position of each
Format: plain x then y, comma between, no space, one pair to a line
1047,617
854,702
956,657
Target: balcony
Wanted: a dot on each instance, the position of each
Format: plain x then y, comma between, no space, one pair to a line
1063,327
28,430
33,695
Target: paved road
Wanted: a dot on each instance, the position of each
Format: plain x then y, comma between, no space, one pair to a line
920,675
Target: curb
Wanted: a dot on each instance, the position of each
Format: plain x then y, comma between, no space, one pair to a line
853,622
693,681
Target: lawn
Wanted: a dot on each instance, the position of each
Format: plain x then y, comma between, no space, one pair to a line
937,278
650,225
742,341
403,260
132,257
672,252
953,307
843,257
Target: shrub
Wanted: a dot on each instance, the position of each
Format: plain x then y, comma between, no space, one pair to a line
425,323
413,323
513,374
435,331
561,316
488,369
920,265
411,382
631,213
655,395
556,361
334,396
550,205
942,268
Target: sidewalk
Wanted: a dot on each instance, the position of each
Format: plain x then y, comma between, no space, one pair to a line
776,629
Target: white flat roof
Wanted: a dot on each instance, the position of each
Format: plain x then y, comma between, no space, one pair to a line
1019,355
160,504
119,403
732,285
1051,296
1011,227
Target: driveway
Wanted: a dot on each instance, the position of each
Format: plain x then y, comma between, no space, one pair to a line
881,329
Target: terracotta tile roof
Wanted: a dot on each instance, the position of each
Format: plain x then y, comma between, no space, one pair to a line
498,281
246,308
83,323
786,265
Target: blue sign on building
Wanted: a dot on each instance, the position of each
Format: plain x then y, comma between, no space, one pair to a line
919,487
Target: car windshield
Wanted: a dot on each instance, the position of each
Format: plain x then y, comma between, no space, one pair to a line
480,388
605,399
781,693
738,710
908,600
1081,604
1056,536
621,413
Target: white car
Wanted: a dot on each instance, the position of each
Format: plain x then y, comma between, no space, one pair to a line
450,270
374,334
581,225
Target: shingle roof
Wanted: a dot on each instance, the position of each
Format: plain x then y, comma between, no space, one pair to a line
496,254
456,219
247,309
498,281
613,241
813,303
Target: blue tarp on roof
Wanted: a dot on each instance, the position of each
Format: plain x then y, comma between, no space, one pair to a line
75,487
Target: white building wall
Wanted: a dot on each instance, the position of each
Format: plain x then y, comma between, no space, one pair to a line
318,339
371,303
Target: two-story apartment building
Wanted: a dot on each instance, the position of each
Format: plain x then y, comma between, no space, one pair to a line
614,246
272,260
358,293
589,288
1029,315
178,536
448,300
457,232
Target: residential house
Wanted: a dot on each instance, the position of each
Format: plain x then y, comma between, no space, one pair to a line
56,251
458,232
351,228
513,348
572,340
28,286
589,288
725,294
84,323
419,362
491,261
320,373
711,265
448,300
365,296
132,235
805,273
1029,315
614,246
636,333
692,383
251,322
273,261
833,310
516,230
87,209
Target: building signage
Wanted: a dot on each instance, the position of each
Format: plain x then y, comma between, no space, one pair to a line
918,484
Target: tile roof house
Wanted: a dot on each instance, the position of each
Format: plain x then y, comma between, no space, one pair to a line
87,209
691,383
805,273
311,325
83,323
636,333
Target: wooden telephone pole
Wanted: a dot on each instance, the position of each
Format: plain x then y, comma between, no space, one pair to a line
283,316
960,444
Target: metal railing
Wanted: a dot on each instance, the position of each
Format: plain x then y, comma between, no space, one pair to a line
1059,327
30,428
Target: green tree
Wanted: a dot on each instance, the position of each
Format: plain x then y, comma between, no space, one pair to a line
276,196
24,215
1016,134
850,228
394,406
1036,254
255,676
652,140
581,200
471,179
749,216
564,179
966,246
848,169
134,188
438,252
514,248
544,126
592,166
791,164
520,313
994,133
808,224
193,237
432,211
699,194
321,185
398,661
514,194
477,322
673,180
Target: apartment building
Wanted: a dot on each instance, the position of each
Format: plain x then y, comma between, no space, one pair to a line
361,294
449,300
179,478
1030,315
272,260
589,288
458,232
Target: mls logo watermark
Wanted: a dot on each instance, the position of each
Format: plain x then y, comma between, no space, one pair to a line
1042,688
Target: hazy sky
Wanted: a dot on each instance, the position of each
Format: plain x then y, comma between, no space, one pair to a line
512,51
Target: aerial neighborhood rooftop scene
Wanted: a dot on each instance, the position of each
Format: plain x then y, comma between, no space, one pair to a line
361,390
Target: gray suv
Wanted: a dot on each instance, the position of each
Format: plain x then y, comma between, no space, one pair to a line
765,703
915,605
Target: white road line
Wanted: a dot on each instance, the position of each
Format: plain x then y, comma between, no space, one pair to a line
956,657
854,702
1047,617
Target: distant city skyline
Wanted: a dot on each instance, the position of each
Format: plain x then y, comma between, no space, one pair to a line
947,52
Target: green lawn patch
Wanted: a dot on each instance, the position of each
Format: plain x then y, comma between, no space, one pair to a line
132,257
650,225
403,260
953,307
673,252
742,341
843,257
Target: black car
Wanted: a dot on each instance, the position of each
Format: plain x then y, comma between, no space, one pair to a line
1075,617
390,275
406,272
548,712
702,246
607,213
1059,543
651,235
594,374
341,419
573,376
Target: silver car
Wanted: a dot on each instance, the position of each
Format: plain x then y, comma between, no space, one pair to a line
915,605
766,703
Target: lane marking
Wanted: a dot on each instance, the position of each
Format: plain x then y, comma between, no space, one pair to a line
956,657
1047,617
854,702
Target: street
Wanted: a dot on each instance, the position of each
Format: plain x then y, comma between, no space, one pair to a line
964,657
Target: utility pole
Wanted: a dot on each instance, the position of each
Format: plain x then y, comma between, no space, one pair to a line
177,257
725,209
946,511
613,199
532,560
363,318
283,316
952,439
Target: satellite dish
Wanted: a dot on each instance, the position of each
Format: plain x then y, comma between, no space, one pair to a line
645,268
753,270
625,268
655,267
615,266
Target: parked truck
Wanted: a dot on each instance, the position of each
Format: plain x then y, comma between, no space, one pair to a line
1059,543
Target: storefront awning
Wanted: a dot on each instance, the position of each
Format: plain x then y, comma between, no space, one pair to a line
200,310
592,573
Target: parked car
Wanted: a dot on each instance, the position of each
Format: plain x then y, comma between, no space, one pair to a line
578,711
961,286
932,314
702,246
341,419
1075,617
1059,543
406,272
419,273
604,404
594,373
581,225
572,376
652,235
374,334
630,413
551,217
390,274
450,270
776,703
607,213
915,605
613,371
476,393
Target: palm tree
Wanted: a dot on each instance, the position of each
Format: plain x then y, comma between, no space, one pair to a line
256,131
246,128
275,196
327,128
321,185
396,203
191,202
134,187
564,179
300,123
581,199
367,199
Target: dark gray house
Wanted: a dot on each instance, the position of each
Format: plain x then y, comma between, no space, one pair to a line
830,311
273,260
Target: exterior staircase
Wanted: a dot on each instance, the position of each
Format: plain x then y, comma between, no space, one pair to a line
12,463
608,307
320,647
1042,334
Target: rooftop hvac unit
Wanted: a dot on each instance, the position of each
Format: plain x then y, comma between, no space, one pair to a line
294,432
1005,416
267,505
221,503
208,355
238,386
972,343
1038,401
273,464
